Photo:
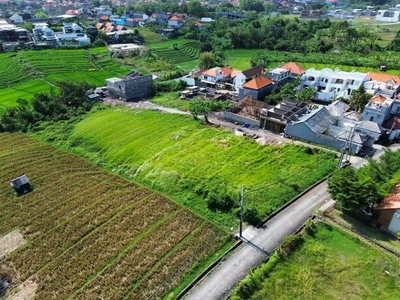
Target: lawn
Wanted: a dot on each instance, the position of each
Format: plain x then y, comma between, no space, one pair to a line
333,265
86,229
189,161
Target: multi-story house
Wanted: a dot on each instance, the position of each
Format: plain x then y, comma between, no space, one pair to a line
332,84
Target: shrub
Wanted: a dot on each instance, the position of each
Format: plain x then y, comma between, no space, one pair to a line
252,216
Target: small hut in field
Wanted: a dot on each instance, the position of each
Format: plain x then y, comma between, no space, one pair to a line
21,184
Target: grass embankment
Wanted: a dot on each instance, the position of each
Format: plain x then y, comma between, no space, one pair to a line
330,265
87,229
190,162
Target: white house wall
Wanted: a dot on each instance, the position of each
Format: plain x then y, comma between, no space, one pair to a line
394,225
331,84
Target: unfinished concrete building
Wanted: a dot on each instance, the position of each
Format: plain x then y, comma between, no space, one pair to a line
132,87
274,119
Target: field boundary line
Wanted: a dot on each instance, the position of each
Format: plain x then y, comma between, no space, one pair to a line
128,247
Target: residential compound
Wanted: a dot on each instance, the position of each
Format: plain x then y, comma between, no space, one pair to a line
332,84
72,34
10,33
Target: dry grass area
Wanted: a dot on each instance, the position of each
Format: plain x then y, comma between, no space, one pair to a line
10,242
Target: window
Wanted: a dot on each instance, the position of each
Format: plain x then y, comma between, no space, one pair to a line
311,78
371,119
339,81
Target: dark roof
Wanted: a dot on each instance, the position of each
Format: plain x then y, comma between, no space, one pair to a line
19,181
250,73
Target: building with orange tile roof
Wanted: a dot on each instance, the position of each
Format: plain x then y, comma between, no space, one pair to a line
294,68
389,209
378,109
257,87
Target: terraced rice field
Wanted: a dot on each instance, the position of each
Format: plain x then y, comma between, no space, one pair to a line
186,51
88,230
27,72
11,71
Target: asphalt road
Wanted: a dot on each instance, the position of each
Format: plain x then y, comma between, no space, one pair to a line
219,283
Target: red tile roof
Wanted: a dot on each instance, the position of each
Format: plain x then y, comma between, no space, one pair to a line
389,123
294,68
392,201
258,83
381,77
215,71
175,18
378,98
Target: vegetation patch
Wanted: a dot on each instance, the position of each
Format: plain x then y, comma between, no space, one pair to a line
87,229
331,264
192,162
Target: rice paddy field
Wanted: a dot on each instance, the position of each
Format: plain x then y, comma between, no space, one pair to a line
189,161
184,56
331,265
90,234
27,72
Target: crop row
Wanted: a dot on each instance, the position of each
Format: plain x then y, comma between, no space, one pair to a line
84,260
47,247
140,258
170,272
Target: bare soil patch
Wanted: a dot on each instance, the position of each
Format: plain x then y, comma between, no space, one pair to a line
25,291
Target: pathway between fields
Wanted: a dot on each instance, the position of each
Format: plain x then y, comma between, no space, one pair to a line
220,282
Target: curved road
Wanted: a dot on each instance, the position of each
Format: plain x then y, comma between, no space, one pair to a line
263,241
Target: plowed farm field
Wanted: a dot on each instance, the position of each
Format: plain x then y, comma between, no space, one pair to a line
90,234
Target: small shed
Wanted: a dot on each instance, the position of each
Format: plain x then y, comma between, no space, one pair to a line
21,184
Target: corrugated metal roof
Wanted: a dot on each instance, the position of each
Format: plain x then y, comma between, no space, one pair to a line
338,108
320,120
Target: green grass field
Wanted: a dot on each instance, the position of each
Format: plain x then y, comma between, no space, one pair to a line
188,161
333,265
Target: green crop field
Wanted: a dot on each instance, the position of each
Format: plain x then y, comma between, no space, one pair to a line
86,230
185,56
27,72
332,265
188,161
8,96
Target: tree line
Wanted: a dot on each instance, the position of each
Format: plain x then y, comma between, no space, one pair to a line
365,187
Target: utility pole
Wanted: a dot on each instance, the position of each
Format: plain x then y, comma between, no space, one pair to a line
241,211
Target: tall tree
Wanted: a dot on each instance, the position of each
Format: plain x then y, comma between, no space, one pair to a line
359,98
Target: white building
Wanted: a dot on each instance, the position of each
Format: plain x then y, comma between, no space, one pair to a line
389,15
378,109
332,84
